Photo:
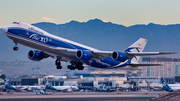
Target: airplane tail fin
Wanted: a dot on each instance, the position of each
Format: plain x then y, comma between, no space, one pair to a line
138,46
46,82
166,86
127,79
5,82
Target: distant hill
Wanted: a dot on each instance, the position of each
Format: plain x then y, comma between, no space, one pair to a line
103,36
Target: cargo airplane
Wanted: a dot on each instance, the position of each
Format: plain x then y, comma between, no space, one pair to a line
48,45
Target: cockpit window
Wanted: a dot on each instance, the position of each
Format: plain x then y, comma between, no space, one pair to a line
15,23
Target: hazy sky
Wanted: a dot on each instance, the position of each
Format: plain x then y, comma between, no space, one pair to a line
125,12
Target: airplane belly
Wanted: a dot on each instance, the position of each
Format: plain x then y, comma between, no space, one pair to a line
109,63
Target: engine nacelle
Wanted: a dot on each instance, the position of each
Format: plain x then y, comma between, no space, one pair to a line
118,56
35,55
83,55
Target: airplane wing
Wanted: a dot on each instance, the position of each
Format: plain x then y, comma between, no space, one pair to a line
71,54
103,54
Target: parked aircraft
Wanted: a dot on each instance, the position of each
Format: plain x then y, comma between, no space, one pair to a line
60,88
48,45
30,88
171,87
103,88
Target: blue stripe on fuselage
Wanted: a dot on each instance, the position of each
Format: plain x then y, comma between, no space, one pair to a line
40,38
106,63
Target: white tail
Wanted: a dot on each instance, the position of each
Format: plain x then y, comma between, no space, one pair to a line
138,46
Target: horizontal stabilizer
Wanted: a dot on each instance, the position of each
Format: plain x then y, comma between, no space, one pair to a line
148,53
136,65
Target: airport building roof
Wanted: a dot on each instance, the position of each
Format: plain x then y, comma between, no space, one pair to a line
101,73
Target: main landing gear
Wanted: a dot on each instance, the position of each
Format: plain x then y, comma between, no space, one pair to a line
76,65
58,63
15,48
73,66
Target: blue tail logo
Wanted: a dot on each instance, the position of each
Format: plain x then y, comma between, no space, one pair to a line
129,50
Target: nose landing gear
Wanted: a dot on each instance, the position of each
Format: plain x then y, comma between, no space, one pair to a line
15,48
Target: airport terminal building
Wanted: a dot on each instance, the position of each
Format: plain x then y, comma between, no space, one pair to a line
81,78
169,68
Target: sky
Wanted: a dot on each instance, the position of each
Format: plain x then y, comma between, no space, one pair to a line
124,12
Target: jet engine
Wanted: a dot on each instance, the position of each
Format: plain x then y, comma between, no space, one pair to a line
36,55
83,55
118,56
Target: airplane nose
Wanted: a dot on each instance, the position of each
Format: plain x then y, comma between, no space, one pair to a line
4,29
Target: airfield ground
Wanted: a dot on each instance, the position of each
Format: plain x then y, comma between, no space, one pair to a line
77,96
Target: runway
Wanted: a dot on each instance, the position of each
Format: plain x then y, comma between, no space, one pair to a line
77,96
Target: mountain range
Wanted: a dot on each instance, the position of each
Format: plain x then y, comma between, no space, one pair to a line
101,35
